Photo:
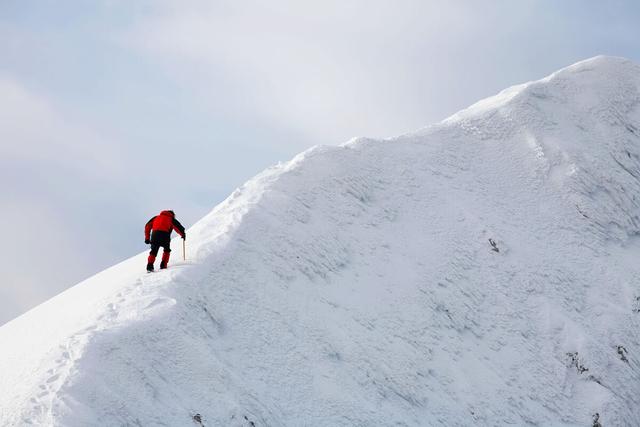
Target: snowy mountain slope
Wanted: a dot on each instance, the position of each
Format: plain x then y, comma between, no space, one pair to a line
357,285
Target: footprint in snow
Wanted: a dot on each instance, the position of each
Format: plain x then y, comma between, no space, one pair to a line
160,302
53,378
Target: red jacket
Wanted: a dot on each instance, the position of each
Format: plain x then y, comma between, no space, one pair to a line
165,221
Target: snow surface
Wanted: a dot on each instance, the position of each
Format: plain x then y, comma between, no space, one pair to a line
357,285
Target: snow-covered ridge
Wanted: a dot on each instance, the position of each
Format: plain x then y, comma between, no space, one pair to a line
582,124
481,271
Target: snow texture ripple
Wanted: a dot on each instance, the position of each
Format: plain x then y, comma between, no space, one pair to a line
479,272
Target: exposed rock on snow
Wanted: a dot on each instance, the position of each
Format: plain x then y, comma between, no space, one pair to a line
481,271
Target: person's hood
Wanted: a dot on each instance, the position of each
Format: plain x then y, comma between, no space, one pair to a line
168,213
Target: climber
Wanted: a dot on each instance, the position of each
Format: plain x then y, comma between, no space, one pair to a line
157,233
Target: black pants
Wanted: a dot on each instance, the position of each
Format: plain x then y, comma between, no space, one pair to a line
160,239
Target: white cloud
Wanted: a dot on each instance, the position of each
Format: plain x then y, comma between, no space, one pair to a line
47,165
329,69
32,132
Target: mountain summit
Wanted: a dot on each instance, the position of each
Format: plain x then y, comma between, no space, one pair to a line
481,271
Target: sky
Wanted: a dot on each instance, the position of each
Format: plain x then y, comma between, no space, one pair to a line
113,110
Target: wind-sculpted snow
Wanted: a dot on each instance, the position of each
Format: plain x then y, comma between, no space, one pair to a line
482,271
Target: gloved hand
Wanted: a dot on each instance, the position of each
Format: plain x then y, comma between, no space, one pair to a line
147,241
184,237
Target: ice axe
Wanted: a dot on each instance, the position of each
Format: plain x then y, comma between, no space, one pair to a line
184,251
